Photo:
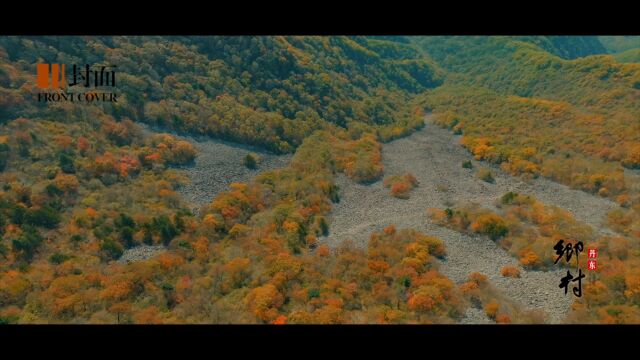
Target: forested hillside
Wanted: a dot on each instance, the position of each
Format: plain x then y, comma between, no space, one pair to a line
574,121
268,91
82,183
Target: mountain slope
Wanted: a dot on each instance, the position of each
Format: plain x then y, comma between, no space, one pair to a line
267,91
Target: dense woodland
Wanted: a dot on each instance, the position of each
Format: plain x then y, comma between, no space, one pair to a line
80,184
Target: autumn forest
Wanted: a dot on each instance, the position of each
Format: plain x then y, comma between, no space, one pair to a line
305,154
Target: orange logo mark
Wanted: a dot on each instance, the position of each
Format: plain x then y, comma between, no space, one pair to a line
57,76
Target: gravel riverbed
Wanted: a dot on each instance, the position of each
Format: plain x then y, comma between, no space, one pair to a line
217,164
435,157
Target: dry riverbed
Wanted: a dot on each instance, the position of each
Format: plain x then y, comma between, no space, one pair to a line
217,165
435,157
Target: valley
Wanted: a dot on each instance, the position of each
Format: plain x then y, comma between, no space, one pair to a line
435,157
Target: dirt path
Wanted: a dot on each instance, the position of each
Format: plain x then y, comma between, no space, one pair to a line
435,157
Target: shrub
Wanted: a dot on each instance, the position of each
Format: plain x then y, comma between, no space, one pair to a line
111,249
448,212
183,152
491,225
503,319
491,309
66,183
66,164
485,175
313,293
166,148
250,161
124,220
26,244
165,227
334,193
364,171
425,299
467,164
400,190
126,236
44,216
508,198
264,302
58,258
401,185
120,133
435,245
529,258
510,271
479,279
53,190
361,160
390,230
